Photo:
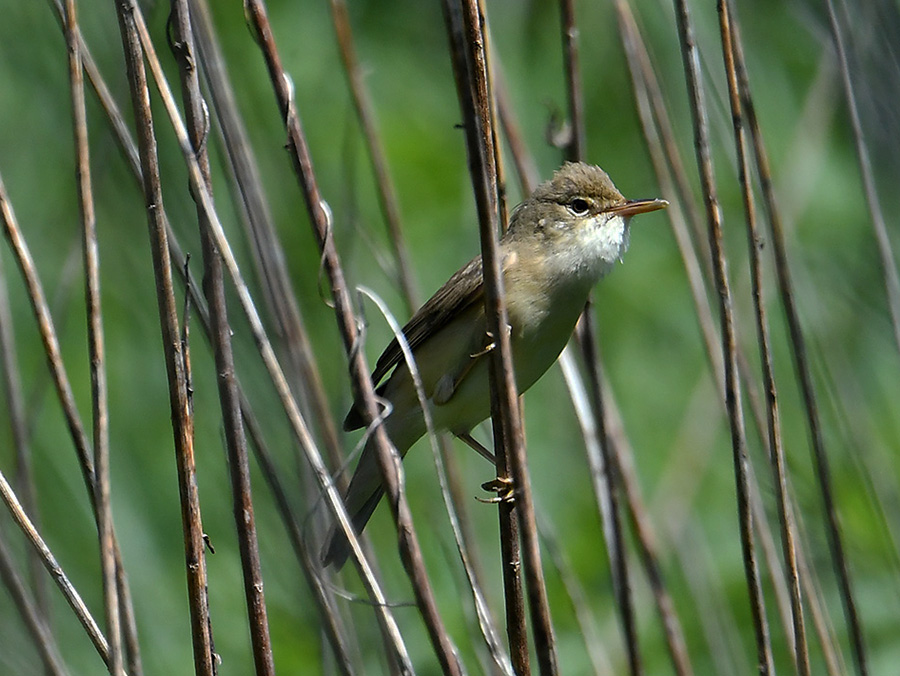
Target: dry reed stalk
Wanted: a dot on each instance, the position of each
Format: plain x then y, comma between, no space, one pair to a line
99,396
182,418
478,143
732,378
197,120
773,419
410,550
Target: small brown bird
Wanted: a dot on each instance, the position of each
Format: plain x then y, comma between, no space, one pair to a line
561,241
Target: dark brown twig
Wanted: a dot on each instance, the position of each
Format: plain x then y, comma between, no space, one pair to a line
182,420
509,443
776,450
387,195
269,258
99,397
801,364
516,631
732,379
410,551
197,120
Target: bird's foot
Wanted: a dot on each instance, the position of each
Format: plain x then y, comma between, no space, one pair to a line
504,488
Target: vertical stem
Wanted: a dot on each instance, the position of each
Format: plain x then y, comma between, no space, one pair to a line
505,412
99,398
388,459
197,121
575,151
485,192
732,379
801,362
587,337
801,651
182,420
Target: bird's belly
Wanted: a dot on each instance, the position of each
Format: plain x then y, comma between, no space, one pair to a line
534,352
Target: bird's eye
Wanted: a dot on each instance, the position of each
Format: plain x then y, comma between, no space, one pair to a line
579,206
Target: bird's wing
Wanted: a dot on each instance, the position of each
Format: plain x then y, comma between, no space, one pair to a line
460,292
463,289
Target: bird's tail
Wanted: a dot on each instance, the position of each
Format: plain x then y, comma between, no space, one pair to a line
337,546
366,489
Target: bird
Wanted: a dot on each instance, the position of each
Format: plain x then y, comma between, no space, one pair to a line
566,236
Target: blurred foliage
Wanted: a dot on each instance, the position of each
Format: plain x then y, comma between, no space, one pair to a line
650,340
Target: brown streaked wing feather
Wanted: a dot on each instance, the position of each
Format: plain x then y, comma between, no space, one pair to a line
459,292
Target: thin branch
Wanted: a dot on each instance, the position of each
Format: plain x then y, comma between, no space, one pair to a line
197,119
56,572
410,550
576,148
623,455
578,596
33,617
776,449
182,419
606,471
99,397
268,255
732,379
801,365
516,631
509,442
586,336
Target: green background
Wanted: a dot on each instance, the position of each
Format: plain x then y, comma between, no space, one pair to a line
652,348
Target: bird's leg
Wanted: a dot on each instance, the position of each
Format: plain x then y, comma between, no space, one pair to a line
476,446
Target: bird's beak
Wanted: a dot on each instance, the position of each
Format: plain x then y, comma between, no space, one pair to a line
634,207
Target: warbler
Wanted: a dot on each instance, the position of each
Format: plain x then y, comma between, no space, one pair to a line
560,242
